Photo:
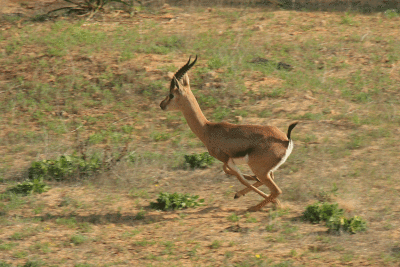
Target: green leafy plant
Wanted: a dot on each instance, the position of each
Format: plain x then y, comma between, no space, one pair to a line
319,212
64,167
28,187
199,160
340,223
334,218
175,201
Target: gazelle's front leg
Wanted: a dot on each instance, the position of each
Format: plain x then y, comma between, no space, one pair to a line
241,179
247,177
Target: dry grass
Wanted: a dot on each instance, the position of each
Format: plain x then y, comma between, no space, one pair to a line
105,78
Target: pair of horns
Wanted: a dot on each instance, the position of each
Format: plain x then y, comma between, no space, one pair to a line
179,74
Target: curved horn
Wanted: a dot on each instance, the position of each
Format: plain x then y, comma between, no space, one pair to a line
179,74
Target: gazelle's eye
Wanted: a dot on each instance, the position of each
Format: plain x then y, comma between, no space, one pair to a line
171,96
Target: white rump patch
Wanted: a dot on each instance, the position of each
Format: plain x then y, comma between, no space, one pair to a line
239,161
287,154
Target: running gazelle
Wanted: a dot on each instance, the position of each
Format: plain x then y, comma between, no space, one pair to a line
263,148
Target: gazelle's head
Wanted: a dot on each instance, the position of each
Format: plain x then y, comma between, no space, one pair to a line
178,89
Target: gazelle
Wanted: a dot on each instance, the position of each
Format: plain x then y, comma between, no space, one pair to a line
263,148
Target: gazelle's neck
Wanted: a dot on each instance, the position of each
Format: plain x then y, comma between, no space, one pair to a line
194,116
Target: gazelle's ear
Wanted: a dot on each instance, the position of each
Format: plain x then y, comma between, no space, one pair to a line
185,80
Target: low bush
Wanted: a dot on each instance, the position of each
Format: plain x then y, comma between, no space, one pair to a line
340,223
321,212
199,160
175,201
334,218
28,187
64,167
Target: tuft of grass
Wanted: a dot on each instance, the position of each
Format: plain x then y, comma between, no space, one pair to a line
391,13
78,239
144,243
7,246
216,244
233,217
175,201
69,222
33,264
276,93
140,215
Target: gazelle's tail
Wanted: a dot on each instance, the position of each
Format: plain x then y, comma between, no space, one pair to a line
291,126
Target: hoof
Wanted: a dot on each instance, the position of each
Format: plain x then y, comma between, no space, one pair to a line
236,196
276,203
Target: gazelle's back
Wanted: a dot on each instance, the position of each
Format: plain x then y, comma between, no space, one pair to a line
244,139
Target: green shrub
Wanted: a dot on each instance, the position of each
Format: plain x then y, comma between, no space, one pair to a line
199,160
28,187
319,212
341,223
175,201
64,167
334,218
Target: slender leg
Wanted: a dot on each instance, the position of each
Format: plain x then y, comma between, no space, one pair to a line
247,190
275,192
239,175
247,177
271,174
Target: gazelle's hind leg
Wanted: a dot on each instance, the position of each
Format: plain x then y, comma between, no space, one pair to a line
227,170
241,179
267,179
247,190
